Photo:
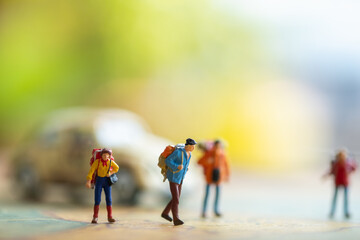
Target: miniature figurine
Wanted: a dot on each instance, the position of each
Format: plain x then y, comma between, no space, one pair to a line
216,170
341,167
103,172
177,164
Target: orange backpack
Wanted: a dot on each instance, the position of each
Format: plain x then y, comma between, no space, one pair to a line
168,150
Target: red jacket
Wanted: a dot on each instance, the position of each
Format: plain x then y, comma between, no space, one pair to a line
341,171
215,159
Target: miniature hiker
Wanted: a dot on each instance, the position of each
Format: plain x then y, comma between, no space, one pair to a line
216,170
177,165
103,173
341,167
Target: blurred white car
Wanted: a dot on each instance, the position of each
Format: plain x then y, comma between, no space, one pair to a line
59,150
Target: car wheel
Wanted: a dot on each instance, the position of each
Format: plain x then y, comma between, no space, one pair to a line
124,191
28,183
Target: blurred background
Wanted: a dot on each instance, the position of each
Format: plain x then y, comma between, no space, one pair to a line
277,80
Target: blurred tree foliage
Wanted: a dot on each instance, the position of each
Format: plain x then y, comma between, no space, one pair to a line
60,53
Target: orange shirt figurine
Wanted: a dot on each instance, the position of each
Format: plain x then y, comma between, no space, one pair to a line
216,170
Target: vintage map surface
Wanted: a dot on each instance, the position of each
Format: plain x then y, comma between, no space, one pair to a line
136,223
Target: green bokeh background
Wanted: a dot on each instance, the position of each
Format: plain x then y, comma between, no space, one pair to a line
188,68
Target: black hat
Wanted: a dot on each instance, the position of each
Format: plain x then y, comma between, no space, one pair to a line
190,141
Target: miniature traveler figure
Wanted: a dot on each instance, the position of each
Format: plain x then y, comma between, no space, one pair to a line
177,164
341,167
103,170
216,170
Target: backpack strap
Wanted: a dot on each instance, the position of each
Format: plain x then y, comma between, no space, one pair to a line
98,166
109,166
94,157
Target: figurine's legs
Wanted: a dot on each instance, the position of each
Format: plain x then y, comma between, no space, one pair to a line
168,206
97,193
216,204
107,190
98,190
180,187
346,209
205,200
165,213
334,202
96,214
175,193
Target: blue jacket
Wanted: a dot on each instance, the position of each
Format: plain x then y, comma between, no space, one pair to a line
173,161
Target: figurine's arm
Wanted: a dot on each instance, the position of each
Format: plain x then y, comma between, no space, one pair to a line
92,169
329,172
170,160
227,169
353,166
202,160
187,166
115,168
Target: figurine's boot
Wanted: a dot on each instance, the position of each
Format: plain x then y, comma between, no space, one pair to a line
96,214
178,222
165,213
109,211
